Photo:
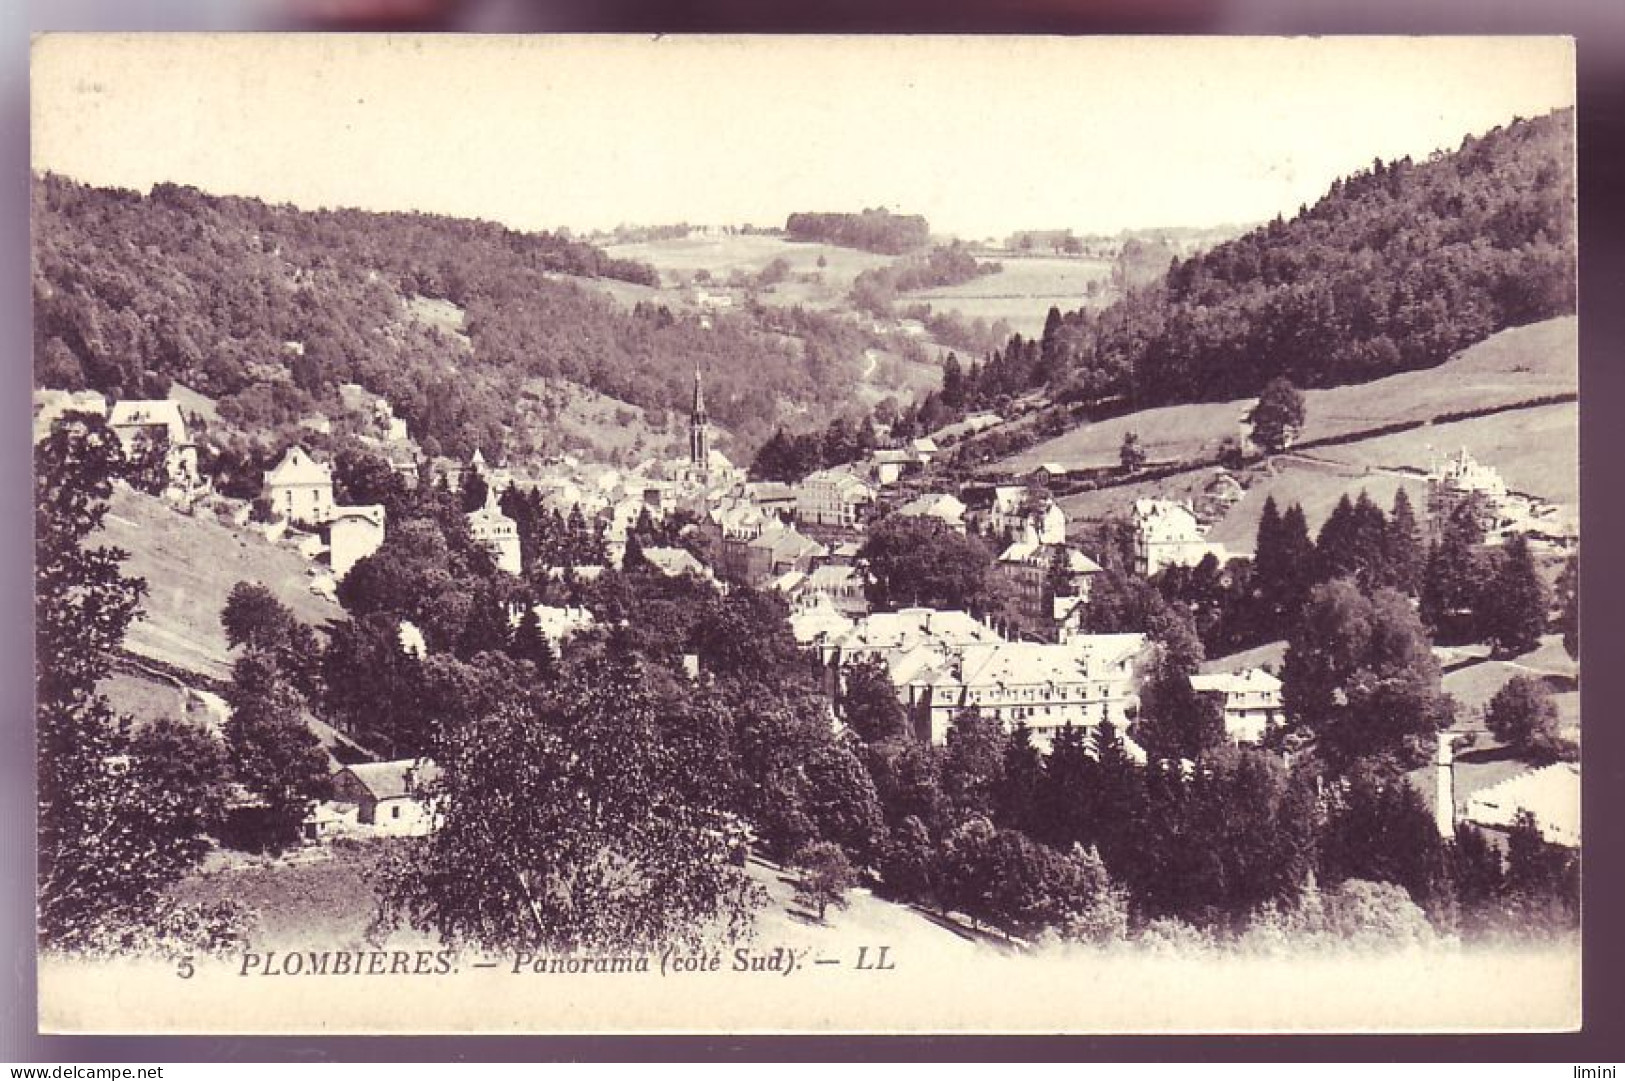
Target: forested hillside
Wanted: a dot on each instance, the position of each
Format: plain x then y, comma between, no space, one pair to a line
268,308
1396,268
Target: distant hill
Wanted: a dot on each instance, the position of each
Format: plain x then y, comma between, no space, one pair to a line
266,309
1395,269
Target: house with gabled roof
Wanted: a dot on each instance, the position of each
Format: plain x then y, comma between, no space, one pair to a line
1028,564
300,488
942,506
780,549
676,562
836,498
1167,534
392,797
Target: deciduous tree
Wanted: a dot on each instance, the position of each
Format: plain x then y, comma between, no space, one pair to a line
564,827
1278,416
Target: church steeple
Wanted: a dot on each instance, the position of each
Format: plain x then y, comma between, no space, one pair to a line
699,430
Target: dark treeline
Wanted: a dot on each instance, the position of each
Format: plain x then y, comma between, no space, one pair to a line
876,230
1397,267
788,457
132,292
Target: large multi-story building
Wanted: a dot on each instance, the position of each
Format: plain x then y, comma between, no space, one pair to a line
1031,567
833,498
1046,686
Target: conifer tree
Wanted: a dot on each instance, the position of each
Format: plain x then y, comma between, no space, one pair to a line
1402,547
1516,604
1015,800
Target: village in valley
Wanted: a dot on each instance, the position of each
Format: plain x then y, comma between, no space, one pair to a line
1017,646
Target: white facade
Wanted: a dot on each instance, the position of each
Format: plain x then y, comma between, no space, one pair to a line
1551,794
833,497
499,534
1046,686
1252,701
1166,534
353,534
300,488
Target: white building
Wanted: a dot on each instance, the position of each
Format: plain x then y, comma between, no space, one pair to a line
1166,534
1252,701
300,488
157,423
1460,478
820,625
1044,685
841,586
1009,510
556,624
498,533
389,796
837,498
1551,794
353,534
947,509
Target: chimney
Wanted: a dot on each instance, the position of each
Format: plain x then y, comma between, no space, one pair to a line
1444,792
691,666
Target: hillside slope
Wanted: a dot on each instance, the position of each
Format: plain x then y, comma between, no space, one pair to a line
190,565
267,309
1396,268
1513,366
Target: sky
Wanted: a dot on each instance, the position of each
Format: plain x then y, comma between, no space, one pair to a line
982,136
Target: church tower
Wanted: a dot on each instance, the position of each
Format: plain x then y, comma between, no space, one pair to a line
699,431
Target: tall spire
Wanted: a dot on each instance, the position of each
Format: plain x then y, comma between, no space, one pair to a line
699,430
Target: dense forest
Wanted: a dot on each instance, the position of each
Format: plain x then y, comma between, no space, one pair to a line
876,230
268,308
1396,268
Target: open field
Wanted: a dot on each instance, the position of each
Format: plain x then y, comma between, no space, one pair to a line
1022,293
190,565
1515,365
1315,487
1537,451
749,255
319,897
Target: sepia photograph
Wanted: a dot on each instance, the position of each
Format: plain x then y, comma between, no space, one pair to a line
706,534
